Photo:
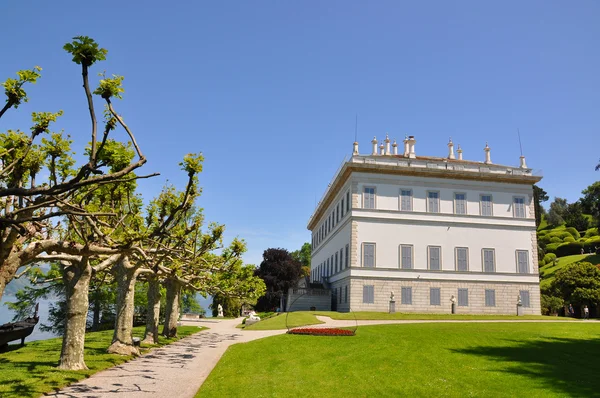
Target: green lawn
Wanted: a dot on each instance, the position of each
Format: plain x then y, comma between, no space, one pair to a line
550,269
278,322
31,371
365,315
422,360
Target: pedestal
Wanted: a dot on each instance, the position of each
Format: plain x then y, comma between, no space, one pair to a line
454,308
392,306
519,309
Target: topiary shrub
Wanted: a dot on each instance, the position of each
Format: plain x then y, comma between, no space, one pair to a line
549,258
569,249
591,232
551,248
574,233
551,304
569,239
556,239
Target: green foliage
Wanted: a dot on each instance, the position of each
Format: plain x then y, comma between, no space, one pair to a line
110,87
591,233
550,257
575,218
189,304
279,272
303,256
569,239
13,88
231,306
85,51
578,284
551,304
192,163
574,233
539,196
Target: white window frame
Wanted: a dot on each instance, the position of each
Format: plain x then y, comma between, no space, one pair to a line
515,207
483,258
456,258
517,260
439,198
429,257
465,202
374,254
491,205
410,199
374,197
412,256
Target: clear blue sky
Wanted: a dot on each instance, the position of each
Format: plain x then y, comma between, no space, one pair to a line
268,91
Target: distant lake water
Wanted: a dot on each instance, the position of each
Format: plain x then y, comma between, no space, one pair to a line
6,315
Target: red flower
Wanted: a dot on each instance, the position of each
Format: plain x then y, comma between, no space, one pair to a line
322,331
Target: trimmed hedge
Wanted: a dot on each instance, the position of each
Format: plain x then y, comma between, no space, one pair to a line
548,258
591,232
569,239
569,249
574,233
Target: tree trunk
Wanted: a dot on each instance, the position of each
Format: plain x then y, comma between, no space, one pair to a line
153,312
172,308
122,343
76,277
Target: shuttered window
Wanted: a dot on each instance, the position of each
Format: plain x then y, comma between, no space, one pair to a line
342,207
406,295
347,201
341,259
336,262
327,271
490,298
522,261
462,259
406,260
369,255
346,294
405,200
347,250
519,207
435,262
435,296
486,205
368,294
340,295
488,260
463,297
337,213
460,203
525,299
433,202
369,198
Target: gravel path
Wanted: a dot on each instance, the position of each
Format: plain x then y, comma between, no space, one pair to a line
176,370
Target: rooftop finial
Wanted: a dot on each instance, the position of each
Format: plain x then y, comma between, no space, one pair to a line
374,142
387,144
395,147
488,159
459,151
450,149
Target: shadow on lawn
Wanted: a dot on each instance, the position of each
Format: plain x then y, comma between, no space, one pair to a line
563,365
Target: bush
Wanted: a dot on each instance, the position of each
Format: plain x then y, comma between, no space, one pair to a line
568,249
556,239
591,232
569,239
574,233
551,248
559,234
551,304
548,258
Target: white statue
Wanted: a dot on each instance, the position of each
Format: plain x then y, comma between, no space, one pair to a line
519,302
453,299
252,319
220,309
392,296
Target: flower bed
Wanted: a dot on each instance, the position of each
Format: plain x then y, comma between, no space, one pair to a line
322,331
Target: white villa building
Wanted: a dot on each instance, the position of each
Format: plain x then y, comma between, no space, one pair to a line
432,230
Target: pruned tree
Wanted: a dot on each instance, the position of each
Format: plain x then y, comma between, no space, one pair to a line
539,196
280,272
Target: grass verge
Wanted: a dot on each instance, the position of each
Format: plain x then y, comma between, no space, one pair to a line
278,322
31,371
455,360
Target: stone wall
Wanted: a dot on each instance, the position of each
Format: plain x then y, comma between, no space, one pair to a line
300,301
506,296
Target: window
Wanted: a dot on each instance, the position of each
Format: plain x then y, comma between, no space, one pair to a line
347,250
435,296
460,203
346,294
369,198
337,214
347,201
369,255
336,262
405,200
462,259
331,264
340,295
525,300
489,260
490,298
433,202
342,208
368,294
333,219
486,205
522,261
463,297
406,295
327,269
434,255
341,259
519,207
406,256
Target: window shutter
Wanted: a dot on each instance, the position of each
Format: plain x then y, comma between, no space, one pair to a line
347,249
525,298
368,294
463,297
406,295
434,296
522,262
461,259
490,298
434,258
369,255
488,260
406,253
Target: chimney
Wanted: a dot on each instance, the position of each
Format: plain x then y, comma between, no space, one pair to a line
523,164
411,146
355,150
387,144
381,149
451,149
395,146
459,151
405,147
374,142
488,159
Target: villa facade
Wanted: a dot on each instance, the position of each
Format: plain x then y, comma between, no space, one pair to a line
431,230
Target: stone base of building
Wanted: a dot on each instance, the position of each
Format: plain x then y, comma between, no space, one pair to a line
506,296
